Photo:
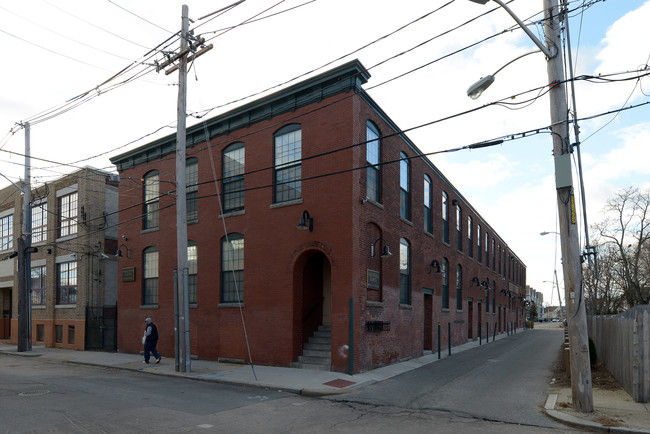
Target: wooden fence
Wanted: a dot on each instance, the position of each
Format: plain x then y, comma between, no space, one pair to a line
623,344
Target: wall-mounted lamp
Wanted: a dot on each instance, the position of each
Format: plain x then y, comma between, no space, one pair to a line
434,265
385,252
476,281
306,222
454,202
119,251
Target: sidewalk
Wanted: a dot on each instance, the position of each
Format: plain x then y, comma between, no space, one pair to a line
616,408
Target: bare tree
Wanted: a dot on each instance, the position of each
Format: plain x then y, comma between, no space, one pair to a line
626,228
603,292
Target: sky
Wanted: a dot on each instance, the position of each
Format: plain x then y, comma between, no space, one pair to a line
60,54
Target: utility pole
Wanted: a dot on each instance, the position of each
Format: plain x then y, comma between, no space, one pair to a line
188,51
582,395
24,256
181,205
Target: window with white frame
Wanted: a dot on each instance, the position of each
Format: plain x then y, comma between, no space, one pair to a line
66,283
68,214
150,276
6,232
192,266
470,237
234,160
404,187
39,223
38,285
232,269
373,158
151,187
428,212
192,189
445,283
404,272
287,184
445,218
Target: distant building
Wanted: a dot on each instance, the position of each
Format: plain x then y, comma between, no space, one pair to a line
320,155
73,273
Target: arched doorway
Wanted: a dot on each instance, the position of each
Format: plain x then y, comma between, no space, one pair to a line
313,299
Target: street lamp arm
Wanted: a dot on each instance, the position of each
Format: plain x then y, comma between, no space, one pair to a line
523,26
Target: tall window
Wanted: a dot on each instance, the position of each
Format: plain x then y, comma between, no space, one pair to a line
38,285
494,296
459,287
428,213
7,232
487,250
404,272
373,158
445,283
192,189
150,274
233,177
499,253
493,256
66,285
68,214
487,300
232,269
459,228
151,200
478,243
288,166
39,223
470,236
404,187
445,218
192,266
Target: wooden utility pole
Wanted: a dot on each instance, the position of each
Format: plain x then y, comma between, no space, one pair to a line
582,394
181,205
25,257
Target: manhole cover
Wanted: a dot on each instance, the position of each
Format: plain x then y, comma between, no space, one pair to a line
34,393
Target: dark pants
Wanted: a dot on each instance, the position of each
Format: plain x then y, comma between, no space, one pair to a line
150,347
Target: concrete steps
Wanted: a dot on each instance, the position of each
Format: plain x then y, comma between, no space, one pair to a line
316,353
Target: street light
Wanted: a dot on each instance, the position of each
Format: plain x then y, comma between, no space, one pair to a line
581,386
483,83
549,232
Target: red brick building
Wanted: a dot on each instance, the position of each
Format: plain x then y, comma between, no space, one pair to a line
322,153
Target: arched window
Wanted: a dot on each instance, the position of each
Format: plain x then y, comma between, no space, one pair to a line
404,272
428,213
151,200
373,158
233,165
232,268
288,164
150,276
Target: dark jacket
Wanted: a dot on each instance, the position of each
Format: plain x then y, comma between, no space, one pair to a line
153,336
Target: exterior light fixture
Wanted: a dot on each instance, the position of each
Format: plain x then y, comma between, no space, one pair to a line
479,87
306,222
434,264
548,232
385,252
119,251
476,282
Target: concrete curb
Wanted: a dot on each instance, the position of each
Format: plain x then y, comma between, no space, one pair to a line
567,419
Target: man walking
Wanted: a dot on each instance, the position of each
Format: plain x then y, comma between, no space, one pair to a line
150,341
